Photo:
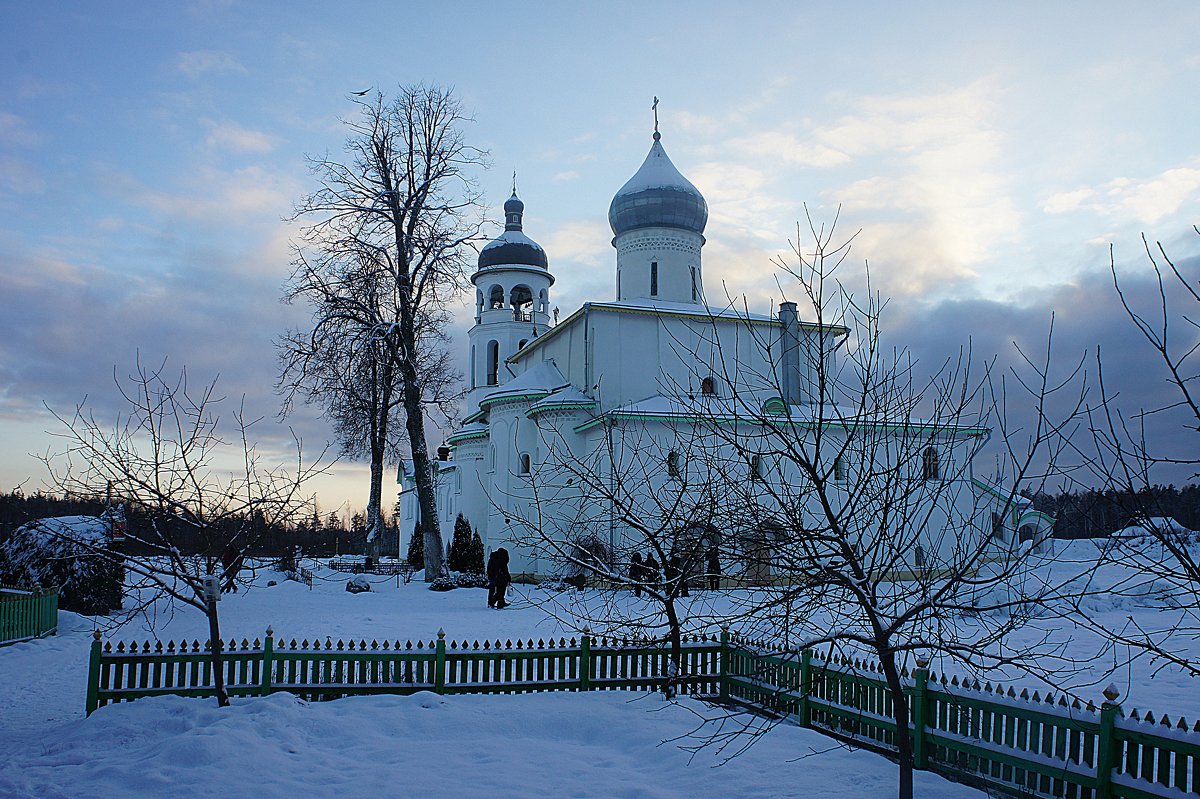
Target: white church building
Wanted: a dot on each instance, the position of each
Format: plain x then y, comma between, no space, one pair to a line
622,397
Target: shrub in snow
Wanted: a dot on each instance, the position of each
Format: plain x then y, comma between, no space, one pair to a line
358,584
66,552
470,579
443,584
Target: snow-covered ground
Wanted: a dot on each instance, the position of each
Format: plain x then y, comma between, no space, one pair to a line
618,744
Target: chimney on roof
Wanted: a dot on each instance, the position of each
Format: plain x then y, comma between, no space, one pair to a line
789,358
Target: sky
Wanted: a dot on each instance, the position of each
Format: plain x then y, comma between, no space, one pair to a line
986,157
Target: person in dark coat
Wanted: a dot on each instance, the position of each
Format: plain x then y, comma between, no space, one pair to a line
498,578
231,563
674,572
714,569
636,573
650,571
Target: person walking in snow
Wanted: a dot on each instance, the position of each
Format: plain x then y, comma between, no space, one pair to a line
498,578
636,573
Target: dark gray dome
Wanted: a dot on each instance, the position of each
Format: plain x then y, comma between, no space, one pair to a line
658,196
513,246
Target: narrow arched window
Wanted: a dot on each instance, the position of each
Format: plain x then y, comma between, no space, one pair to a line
493,363
919,557
756,467
839,468
473,367
521,344
525,463
694,289
672,464
654,278
929,464
708,387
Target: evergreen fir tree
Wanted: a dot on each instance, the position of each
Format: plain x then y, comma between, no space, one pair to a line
416,548
475,561
460,546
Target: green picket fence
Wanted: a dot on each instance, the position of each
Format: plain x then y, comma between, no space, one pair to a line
25,615
1027,745
319,670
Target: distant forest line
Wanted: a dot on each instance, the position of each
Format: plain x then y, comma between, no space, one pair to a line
316,536
1081,514
1096,514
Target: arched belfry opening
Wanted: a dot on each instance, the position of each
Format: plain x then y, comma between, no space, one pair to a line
520,299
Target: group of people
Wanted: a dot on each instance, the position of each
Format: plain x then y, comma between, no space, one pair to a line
644,573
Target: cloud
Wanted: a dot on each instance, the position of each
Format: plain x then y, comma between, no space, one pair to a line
788,148
235,138
569,174
215,197
15,131
19,177
1147,201
195,63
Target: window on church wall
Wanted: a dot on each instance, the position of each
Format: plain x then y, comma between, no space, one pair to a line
618,284
756,467
473,367
929,464
654,278
708,387
919,557
493,363
839,469
694,284
672,464
525,463
521,344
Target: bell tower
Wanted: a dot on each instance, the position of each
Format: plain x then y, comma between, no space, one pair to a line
512,302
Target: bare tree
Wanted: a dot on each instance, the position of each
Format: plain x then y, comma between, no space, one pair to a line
386,248
856,487
1130,448
165,457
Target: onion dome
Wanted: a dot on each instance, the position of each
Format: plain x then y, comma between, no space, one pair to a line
513,246
658,196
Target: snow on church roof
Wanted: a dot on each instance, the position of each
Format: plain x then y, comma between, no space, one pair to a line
657,196
567,397
538,381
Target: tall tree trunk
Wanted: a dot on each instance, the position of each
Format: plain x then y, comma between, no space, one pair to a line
414,417
900,714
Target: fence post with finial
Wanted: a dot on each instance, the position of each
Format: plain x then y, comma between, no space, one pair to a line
1106,743
439,664
919,710
268,663
585,660
93,687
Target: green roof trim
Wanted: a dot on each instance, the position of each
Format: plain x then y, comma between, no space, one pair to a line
557,406
468,436
535,395
778,421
